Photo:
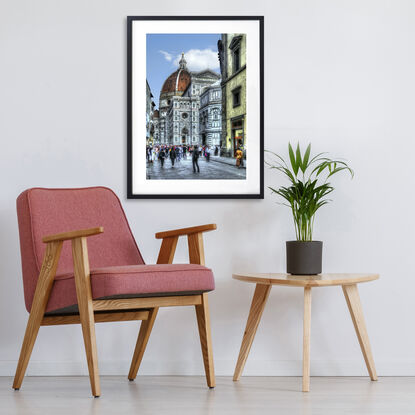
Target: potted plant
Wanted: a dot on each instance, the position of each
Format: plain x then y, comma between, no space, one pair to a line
305,195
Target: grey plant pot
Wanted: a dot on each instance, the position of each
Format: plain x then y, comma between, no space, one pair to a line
304,258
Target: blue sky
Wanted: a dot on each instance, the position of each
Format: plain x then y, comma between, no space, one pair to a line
164,50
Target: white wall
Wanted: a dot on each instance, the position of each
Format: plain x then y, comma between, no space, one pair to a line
338,73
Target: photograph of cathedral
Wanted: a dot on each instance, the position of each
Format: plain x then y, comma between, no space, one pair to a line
195,107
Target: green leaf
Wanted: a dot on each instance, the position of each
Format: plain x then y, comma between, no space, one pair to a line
336,170
317,158
319,168
306,158
292,159
278,156
298,161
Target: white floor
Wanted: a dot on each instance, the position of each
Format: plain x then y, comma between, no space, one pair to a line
189,395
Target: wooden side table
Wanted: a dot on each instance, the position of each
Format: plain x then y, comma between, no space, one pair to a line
264,282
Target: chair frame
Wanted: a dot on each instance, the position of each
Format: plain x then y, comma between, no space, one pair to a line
109,310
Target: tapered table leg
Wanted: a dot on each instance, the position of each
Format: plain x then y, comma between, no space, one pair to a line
351,294
255,313
306,339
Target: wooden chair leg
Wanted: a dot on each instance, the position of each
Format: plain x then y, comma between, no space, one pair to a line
40,301
255,313
166,255
142,340
306,339
351,295
203,322
86,310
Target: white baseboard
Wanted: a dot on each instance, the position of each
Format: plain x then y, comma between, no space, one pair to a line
222,368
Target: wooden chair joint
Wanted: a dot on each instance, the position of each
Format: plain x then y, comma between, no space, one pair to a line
146,302
186,231
99,317
73,234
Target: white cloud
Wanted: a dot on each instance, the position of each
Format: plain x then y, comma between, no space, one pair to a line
168,56
198,59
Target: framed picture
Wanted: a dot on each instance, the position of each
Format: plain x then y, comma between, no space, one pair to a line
195,107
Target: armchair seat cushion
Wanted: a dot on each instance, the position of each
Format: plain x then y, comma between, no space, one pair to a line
130,281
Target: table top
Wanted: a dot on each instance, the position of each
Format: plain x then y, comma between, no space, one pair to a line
319,280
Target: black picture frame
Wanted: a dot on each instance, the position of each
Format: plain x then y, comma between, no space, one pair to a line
130,194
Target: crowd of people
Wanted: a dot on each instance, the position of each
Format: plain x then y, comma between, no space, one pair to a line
175,154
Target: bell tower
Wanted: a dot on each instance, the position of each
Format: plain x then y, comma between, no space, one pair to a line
182,62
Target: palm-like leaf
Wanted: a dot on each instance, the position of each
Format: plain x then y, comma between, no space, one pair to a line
305,197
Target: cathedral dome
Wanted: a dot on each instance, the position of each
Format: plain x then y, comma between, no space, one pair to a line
178,81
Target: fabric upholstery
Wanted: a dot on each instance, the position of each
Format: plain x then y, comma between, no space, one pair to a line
134,281
117,267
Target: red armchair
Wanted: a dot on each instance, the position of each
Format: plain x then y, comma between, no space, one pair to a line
105,279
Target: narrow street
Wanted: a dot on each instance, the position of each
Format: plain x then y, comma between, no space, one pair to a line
183,169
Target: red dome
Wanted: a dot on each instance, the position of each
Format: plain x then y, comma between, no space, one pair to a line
177,82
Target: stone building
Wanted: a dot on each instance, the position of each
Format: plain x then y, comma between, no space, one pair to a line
152,119
149,111
210,115
232,57
154,131
179,104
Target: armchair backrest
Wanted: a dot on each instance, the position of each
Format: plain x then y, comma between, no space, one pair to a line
43,212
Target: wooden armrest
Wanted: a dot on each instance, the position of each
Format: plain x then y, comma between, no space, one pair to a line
73,234
186,231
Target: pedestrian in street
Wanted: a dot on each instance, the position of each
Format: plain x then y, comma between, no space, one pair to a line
153,154
216,150
162,156
239,158
207,153
184,152
172,156
195,159
177,150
